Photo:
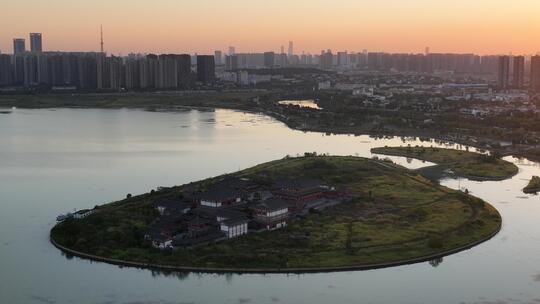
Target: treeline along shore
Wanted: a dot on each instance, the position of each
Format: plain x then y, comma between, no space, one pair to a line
376,122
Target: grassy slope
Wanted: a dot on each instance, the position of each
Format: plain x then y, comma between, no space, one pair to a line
467,164
421,219
533,186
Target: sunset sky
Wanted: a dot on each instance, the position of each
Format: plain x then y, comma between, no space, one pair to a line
479,26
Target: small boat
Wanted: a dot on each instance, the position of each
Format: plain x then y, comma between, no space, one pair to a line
5,112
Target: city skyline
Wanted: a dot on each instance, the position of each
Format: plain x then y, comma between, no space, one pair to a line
35,45
172,27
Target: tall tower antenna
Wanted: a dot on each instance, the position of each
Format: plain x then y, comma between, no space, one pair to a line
101,30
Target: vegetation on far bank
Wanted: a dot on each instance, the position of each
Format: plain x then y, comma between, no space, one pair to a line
348,116
533,186
150,100
466,164
395,215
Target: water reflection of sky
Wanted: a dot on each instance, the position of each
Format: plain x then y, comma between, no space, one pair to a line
53,161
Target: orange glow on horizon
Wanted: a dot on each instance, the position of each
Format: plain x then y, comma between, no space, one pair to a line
202,26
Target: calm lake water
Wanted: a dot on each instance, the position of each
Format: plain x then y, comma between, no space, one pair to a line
54,161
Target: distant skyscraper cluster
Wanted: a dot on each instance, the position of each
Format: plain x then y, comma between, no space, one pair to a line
511,72
98,71
166,71
19,44
270,59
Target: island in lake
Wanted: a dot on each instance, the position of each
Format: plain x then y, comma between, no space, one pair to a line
474,166
533,186
311,213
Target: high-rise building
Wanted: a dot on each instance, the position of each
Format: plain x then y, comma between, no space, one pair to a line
87,72
103,68
36,42
283,61
306,59
183,62
206,71
232,50
110,75
31,70
519,72
132,71
535,73
504,73
374,61
342,58
116,76
269,59
56,70
291,49
5,70
167,74
167,71
18,46
218,57
18,69
231,62
149,74
326,60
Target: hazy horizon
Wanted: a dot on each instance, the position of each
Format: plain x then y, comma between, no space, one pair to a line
168,26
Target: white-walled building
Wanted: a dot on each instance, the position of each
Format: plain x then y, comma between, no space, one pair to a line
272,213
234,227
82,214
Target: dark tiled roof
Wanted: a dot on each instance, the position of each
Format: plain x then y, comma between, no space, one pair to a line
213,213
229,213
272,204
230,187
236,221
220,193
166,223
263,194
196,221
